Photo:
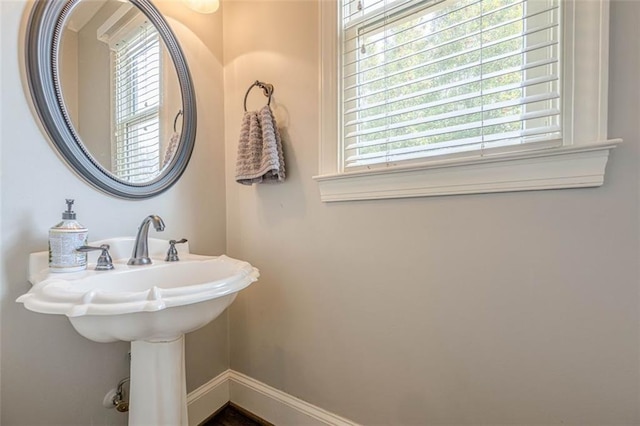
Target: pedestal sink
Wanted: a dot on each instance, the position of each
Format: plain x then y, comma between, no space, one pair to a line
151,306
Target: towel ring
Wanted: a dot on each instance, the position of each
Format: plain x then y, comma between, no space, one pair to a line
267,89
175,121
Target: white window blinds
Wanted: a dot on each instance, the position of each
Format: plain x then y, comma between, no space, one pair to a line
429,78
136,83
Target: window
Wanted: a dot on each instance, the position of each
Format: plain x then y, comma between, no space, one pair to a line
457,76
431,97
136,69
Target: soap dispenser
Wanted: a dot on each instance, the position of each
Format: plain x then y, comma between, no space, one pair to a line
64,239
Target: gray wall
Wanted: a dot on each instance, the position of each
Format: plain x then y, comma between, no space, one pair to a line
514,308
94,88
69,72
50,374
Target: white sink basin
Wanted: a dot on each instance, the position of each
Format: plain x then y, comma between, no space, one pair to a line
152,306
156,302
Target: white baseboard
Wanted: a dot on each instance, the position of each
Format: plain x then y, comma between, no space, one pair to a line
208,398
271,404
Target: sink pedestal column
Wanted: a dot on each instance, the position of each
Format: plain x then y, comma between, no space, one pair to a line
158,385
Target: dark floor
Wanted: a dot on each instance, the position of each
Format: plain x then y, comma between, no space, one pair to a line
232,416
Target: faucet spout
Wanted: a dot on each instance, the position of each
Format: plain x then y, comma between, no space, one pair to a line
140,255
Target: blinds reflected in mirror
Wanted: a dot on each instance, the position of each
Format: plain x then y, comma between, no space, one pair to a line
136,62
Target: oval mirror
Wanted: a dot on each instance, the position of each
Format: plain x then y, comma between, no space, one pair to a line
113,91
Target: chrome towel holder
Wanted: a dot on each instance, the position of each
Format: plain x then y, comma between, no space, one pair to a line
267,89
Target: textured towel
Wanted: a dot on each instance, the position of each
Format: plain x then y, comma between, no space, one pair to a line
171,149
260,156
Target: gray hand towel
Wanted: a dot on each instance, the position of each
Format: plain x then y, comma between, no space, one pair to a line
171,149
260,156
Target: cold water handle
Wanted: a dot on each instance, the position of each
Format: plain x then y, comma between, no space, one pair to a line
172,253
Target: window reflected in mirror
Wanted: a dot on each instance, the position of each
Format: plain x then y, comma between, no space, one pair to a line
120,89
135,67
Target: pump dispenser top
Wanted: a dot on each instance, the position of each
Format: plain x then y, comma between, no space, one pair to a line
69,214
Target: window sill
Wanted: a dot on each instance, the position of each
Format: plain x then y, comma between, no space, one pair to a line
568,167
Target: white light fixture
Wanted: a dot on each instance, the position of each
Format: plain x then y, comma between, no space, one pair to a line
203,6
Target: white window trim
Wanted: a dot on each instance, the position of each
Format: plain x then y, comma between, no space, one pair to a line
579,162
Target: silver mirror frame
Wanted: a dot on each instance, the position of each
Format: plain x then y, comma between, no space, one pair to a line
44,31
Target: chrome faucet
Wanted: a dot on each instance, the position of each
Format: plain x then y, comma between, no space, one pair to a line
140,255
